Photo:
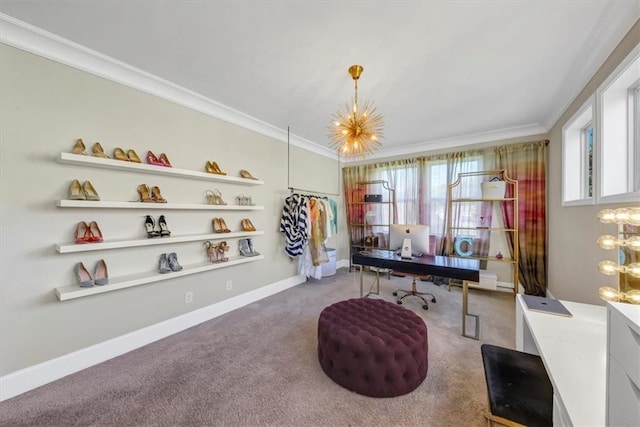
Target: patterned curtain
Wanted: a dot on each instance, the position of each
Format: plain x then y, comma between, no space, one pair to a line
353,192
421,185
527,163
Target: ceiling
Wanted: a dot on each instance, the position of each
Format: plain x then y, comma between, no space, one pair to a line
443,73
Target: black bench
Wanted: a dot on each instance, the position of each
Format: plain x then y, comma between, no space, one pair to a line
519,389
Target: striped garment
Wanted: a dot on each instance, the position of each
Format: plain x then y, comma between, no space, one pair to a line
294,223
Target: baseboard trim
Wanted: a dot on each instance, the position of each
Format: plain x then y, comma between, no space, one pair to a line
43,373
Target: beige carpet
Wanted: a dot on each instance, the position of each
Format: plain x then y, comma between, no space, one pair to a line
258,366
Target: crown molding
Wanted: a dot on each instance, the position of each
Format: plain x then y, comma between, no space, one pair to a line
461,141
615,22
35,40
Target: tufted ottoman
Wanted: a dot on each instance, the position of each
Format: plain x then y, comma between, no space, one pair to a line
373,347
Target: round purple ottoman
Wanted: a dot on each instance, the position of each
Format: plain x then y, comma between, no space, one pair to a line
373,347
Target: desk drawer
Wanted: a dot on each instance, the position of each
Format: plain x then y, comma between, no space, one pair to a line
625,346
624,397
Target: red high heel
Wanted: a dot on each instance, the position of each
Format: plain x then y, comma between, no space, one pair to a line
153,160
96,234
83,233
164,160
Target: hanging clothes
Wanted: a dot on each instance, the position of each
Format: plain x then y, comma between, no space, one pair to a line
306,222
294,223
318,232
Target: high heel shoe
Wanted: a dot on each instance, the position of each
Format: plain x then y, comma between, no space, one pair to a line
79,148
75,191
217,169
152,159
83,233
245,174
83,276
211,251
212,167
95,235
98,151
90,193
214,197
145,193
252,249
163,264
223,225
100,273
173,262
247,225
150,226
221,249
217,228
119,154
164,160
155,194
133,156
164,230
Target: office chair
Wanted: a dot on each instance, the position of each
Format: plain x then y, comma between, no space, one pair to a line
414,285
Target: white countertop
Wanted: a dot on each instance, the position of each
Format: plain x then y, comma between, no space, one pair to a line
573,350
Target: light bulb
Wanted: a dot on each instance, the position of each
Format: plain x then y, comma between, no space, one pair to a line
633,269
622,215
607,215
634,216
633,296
608,267
609,294
608,242
634,243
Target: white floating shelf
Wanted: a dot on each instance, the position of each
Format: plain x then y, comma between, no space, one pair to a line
65,293
139,205
65,248
91,161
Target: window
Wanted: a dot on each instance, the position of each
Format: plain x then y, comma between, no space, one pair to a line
578,157
619,133
436,187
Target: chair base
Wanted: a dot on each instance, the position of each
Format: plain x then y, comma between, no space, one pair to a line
414,293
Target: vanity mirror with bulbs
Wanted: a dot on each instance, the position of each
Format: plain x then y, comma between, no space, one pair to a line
627,242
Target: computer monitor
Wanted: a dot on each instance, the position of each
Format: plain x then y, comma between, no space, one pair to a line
418,233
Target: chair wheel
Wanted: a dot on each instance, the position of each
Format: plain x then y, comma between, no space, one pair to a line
395,294
426,307
399,302
433,300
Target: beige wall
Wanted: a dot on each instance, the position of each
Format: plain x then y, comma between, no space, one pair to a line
44,107
573,231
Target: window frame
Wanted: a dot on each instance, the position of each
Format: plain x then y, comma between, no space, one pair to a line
573,132
633,134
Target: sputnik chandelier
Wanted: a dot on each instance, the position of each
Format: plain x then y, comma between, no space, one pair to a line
357,129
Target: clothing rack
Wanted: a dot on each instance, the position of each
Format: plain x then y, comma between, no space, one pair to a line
292,189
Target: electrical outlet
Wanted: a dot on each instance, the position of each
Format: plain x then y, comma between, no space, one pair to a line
229,285
188,297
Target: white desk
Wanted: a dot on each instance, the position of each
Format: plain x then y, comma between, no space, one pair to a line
573,350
